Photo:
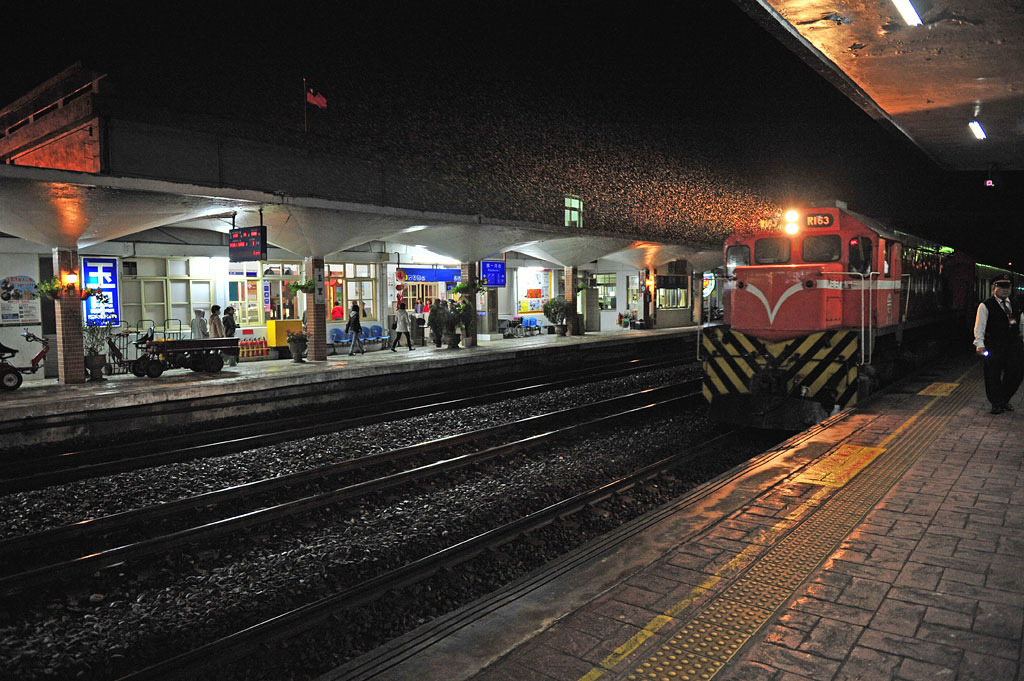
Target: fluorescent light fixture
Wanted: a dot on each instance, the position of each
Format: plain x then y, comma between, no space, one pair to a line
414,228
908,12
976,128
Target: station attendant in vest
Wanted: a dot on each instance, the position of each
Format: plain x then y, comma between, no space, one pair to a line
997,336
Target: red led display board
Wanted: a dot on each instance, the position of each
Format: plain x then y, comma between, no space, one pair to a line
247,243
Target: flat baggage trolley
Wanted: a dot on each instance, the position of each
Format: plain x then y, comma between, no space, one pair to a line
195,354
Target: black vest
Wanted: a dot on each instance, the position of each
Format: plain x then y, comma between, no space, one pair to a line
999,335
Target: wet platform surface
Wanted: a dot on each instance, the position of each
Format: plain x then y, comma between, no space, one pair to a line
886,543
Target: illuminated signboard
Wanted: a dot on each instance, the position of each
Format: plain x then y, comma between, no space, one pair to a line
819,219
247,243
492,272
101,273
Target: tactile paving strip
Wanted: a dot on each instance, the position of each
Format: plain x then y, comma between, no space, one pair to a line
718,631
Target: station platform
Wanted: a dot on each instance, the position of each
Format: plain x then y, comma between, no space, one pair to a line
252,387
884,543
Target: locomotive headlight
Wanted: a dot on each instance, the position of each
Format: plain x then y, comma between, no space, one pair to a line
792,216
791,228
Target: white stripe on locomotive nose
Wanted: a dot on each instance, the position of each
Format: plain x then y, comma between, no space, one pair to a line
820,283
772,311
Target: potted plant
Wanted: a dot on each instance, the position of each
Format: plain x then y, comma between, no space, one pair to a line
94,342
464,310
297,287
297,342
53,289
555,310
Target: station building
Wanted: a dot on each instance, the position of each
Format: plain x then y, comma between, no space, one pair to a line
98,192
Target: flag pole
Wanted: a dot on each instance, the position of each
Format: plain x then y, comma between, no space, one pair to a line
305,109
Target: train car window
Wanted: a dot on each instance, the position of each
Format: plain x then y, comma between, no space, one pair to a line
771,251
736,256
887,262
822,248
860,254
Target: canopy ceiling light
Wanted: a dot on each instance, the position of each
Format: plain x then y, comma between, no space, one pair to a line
912,11
976,128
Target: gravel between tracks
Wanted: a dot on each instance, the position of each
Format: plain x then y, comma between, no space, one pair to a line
113,623
36,510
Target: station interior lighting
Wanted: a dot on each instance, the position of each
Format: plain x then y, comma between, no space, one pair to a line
976,128
912,11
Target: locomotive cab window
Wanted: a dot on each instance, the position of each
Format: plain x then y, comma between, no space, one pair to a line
771,251
736,256
860,254
822,248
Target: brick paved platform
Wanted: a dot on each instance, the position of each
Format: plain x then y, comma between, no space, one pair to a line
886,544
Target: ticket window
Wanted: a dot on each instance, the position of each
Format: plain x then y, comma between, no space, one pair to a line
283,303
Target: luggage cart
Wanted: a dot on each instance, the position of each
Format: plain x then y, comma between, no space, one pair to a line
161,354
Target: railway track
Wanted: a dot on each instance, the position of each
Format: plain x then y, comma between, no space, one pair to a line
26,473
258,637
40,559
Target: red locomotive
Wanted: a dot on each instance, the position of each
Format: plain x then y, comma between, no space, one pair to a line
820,313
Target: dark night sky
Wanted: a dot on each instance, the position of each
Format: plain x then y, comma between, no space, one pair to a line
696,80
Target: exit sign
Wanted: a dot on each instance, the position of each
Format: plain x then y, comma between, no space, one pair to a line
247,243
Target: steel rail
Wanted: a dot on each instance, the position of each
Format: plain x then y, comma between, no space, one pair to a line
14,584
298,620
296,427
14,547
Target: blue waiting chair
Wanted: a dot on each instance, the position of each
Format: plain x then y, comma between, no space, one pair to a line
382,335
336,335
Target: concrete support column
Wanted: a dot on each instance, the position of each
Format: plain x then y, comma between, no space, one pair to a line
573,320
70,353
316,311
470,275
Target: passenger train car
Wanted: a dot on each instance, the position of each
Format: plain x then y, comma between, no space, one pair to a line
820,314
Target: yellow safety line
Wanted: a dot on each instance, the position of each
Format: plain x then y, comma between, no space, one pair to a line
652,627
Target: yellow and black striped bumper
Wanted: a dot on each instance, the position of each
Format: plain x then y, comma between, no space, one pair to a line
820,366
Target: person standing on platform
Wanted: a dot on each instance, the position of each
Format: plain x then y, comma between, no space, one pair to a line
356,329
230,326
216,324
402,325
435,320
199,329
997,337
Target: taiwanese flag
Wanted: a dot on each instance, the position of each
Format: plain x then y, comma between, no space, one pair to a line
315,98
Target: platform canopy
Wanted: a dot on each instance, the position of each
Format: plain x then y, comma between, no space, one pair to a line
66,209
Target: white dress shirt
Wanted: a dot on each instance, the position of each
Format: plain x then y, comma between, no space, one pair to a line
981,321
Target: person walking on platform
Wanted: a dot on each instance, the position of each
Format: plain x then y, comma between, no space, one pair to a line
356,329
997,337
216,324
199,329
402,325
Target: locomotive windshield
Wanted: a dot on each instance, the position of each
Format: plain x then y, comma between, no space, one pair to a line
736,256
822,248
771,251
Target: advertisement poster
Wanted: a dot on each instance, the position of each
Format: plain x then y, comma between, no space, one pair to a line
19,304
534,289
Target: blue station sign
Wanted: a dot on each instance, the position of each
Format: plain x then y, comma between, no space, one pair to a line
101,273
492,272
